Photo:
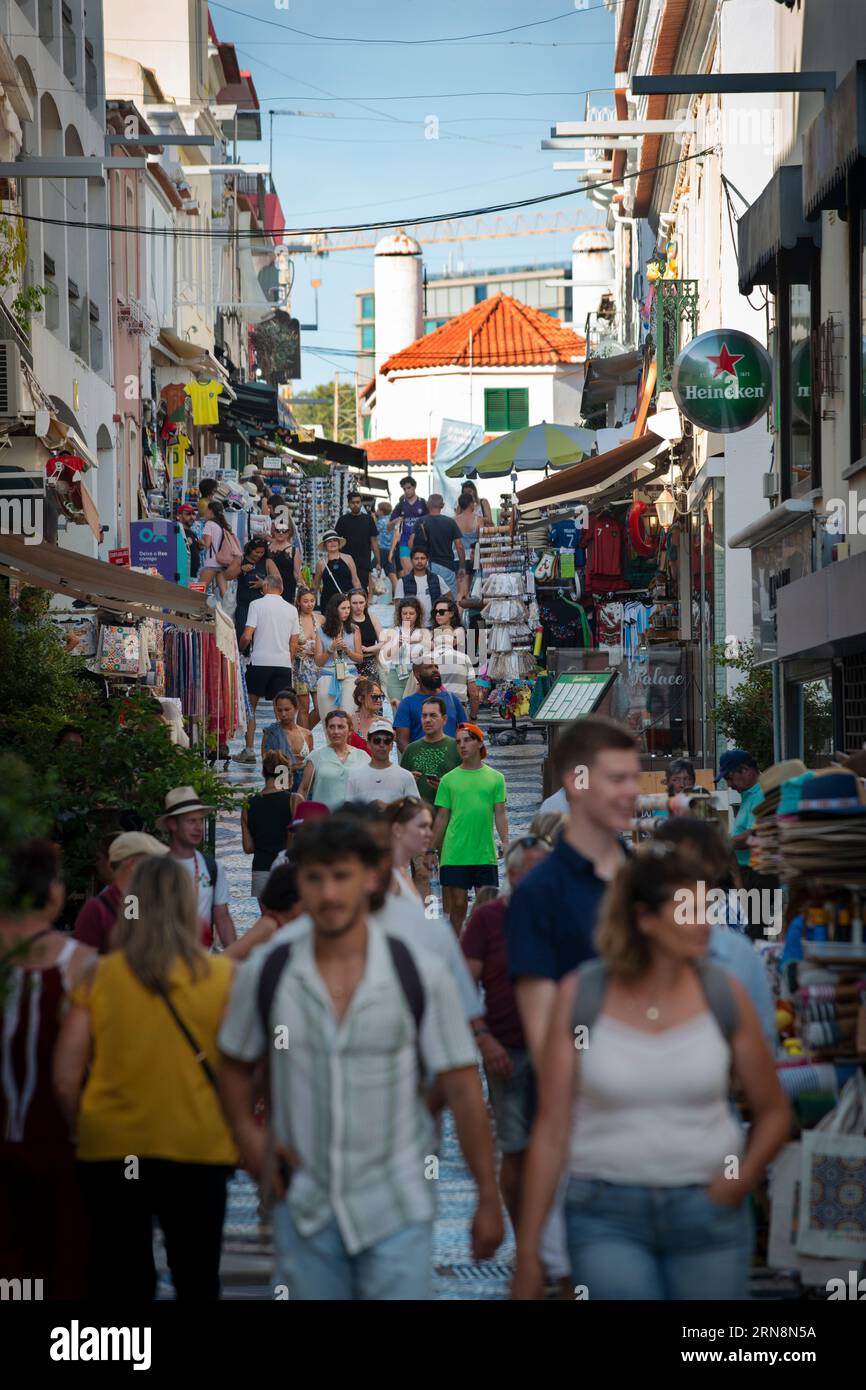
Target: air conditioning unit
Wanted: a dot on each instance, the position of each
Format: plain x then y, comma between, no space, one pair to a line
11,395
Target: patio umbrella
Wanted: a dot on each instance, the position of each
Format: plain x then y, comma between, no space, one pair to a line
535,447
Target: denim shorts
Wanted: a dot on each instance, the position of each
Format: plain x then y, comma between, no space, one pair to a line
318,1268
512,1100
656,1243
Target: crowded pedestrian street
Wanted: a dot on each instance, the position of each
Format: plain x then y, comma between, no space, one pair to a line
433,674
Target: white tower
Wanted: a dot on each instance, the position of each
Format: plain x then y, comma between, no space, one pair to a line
399,295
592,275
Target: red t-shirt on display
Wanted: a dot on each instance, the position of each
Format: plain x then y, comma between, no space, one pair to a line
604,542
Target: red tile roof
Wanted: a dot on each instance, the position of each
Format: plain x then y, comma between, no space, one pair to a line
505,333
412,451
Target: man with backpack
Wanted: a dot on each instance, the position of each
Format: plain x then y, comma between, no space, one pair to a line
183,819
350,1020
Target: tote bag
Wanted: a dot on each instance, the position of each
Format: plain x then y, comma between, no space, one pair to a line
832,1215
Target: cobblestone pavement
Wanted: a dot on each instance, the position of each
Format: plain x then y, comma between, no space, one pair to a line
246,1264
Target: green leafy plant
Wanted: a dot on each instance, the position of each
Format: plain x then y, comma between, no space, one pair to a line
745,716
30,299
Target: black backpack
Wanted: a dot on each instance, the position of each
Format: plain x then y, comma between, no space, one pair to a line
403,962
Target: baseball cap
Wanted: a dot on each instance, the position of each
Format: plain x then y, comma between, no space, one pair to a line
133,842
380,726
732,758
309,810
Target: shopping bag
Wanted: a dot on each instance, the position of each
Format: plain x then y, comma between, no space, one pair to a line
119,651
832,1205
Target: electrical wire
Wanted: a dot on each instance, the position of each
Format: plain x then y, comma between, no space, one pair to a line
333,229
732,218
409,43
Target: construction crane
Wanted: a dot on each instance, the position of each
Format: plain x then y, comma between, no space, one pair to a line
454,231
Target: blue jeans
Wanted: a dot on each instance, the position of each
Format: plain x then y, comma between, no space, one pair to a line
669,1243
319,1268
448,577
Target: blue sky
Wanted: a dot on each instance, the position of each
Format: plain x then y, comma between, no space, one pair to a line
370,158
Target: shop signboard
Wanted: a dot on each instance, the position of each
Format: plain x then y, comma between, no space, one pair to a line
118,557
723,381
158,545
574,695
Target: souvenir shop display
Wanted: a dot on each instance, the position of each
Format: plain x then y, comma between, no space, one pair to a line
810,832
208,683
80,631
507,611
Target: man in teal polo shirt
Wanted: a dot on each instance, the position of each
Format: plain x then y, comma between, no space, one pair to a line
740,770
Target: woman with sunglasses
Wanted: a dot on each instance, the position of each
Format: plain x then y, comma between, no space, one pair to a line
449,653
369,702
382,781
659,1169
411,837
370,630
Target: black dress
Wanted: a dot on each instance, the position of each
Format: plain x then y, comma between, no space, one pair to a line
369,637
247,594
337,581
285,563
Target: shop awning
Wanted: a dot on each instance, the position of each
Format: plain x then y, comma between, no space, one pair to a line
605,374
834,143
594,474
332,451
114,587
773,223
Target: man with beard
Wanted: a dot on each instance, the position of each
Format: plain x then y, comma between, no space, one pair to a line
407,721
352,1208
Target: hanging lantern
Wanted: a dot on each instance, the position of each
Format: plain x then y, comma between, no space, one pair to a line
665,508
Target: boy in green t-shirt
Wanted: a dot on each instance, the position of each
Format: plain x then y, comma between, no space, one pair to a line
470,800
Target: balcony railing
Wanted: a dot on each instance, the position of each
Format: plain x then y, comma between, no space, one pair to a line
675,323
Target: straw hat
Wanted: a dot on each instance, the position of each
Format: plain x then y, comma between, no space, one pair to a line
133,842
181,801
331,536
774,776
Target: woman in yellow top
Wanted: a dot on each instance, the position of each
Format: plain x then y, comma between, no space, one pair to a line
151,1138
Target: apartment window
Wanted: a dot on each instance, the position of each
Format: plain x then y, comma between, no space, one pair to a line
368,336
131,241
367,306
95,339
69,44
480,293
46,20
52,299
75,318
89,76
858,354
505,410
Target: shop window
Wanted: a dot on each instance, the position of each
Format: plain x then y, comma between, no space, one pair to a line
505,410
367,306
368,336
800,435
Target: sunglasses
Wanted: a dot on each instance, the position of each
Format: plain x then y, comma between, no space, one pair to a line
382,738
440,611
530,842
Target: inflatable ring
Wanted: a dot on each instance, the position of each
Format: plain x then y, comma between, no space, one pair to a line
641,544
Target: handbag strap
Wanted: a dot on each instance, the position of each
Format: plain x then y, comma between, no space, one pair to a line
190,1037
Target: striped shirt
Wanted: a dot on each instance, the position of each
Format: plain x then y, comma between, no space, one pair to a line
345,1094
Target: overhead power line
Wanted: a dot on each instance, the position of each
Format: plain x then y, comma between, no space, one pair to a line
333,228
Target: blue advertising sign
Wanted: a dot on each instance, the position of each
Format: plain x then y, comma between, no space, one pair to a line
154,544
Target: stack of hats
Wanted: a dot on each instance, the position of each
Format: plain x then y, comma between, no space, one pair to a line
822,827
765,852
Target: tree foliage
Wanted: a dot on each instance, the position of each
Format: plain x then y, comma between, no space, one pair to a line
322,413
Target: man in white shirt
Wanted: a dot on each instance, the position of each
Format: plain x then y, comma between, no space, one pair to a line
381,780
421,583
274,629
184,820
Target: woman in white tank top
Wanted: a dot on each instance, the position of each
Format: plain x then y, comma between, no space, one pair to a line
634,1104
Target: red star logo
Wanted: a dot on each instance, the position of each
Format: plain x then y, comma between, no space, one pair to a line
725,362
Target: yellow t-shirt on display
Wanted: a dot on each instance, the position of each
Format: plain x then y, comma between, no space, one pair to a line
146,1093
205,401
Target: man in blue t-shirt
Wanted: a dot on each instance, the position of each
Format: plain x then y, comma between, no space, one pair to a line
407,720
407,511
554,909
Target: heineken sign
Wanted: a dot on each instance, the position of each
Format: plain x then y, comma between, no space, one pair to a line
723,381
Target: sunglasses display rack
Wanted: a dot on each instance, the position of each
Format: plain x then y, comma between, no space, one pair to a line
321,502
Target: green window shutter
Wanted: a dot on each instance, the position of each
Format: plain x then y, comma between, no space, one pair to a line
518,409
495,411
